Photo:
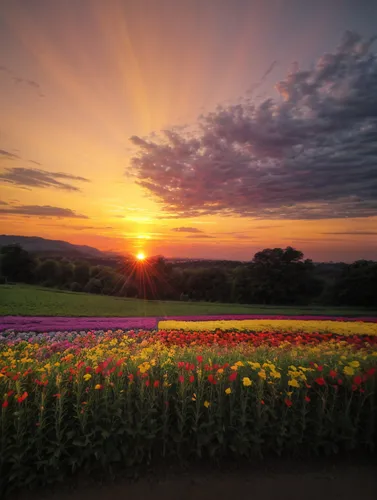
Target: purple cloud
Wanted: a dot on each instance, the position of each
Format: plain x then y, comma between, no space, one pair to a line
42,211
310,154
34,177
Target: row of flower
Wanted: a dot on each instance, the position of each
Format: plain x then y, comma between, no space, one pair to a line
100,400
278,325
48,323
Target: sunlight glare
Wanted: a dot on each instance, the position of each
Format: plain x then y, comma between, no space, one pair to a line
140,256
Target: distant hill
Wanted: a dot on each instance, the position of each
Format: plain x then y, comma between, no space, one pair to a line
35,244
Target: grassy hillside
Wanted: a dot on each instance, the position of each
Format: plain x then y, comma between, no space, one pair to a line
36,301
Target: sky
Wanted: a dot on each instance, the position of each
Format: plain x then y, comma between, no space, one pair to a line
191,129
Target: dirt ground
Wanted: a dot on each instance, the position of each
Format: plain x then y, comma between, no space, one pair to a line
291,481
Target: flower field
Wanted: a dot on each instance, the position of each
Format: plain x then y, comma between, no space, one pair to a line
100,400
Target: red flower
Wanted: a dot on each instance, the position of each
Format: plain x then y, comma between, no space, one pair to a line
57,396
156,383
307,399
340,381
130,377
181,379
211,379
233,376
120,374
357,380
320,381
147,383
10,393
5,404
199,359
333,373
288,402
191,379
371,371
23,397
319,368
181,364
261,402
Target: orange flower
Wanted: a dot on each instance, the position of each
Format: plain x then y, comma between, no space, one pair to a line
23,397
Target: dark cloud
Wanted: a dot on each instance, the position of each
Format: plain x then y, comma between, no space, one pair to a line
33,177
310,154
355,233
35,162
186,230
3,202
8,155
42,211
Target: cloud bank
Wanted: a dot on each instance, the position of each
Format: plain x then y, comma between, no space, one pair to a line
34,177
309,154
41,211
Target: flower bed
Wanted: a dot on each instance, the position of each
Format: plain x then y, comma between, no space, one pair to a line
97,400
279,325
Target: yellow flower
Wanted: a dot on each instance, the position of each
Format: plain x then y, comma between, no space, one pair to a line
275,374
246,382
228,391
239,363
253,365
293,383
194,397
262,374
348,370
87,376
207,404
354,364
97,386
289,393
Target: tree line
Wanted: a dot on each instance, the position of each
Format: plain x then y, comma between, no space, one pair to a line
273,277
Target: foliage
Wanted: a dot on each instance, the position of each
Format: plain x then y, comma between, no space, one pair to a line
16,263
102,400
273,277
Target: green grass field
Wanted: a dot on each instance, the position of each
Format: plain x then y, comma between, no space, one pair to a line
25,300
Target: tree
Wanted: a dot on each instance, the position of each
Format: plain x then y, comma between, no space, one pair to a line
16,263
81,273
357,285
282,276
48,272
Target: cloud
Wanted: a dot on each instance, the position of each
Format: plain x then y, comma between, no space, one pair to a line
8,155
309,154
23,81
186,230
33,177
354,233
3,202
42,211
200,236
35,162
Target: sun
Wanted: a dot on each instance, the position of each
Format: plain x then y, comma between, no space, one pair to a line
140,256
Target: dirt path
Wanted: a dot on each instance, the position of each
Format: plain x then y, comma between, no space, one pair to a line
332,482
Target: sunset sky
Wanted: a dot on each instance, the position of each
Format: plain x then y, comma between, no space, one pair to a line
191,128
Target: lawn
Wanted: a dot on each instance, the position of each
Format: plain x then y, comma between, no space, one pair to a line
26,300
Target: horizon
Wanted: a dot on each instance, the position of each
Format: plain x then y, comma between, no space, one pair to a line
223,137
180,257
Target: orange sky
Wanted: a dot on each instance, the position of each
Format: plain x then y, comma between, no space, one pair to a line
106,70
